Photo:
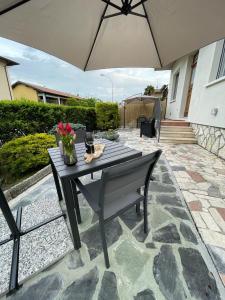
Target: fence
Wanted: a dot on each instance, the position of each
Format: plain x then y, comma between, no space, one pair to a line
133,110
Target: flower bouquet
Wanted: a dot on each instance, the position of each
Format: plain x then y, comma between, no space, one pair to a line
67,137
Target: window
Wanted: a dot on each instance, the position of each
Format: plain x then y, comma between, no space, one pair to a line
221,68
175,85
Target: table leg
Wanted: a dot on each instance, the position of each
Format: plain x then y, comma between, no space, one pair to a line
68,194
56,179
76,202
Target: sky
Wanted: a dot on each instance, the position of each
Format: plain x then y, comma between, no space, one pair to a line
43,69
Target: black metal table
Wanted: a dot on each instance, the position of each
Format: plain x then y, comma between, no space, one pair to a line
114,153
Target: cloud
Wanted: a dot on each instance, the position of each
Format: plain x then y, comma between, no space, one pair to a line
41,68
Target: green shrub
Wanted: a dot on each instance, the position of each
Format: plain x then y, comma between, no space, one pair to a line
111,135
24,155
90,102
107,115
19,118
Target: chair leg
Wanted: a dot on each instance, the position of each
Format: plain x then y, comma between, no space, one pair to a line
145,202
104,244
138,208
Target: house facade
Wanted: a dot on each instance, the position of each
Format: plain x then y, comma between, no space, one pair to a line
24,90
197,93
5,85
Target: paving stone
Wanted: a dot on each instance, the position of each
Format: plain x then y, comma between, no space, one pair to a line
46,288
214,191
196,176
131,218
208,219
168,200
219,257
178,168
178,212
145,295
139,234
162,188
164,169
221,212
131,259
82,288
150,245
166,274
200,282
158,216
198,219
187,233
195,205
167,234
74,260
91,237
108,287
166,178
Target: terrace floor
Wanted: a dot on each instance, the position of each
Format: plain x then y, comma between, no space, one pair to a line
170,262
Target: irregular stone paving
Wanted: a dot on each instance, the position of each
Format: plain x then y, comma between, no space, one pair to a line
201,178
170,262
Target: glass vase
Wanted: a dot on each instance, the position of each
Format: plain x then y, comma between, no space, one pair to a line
69,155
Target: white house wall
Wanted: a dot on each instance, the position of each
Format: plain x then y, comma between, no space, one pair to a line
175,107
207,92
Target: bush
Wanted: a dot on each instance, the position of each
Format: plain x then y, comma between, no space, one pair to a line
24,155
19,118
81,102
107,115
110,135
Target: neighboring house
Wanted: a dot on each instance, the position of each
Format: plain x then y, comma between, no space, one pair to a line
39,93
197,93
5,85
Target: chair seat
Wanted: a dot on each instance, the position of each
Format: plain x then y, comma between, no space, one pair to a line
91,192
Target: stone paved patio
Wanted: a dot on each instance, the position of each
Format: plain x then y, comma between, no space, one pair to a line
201,178
170,262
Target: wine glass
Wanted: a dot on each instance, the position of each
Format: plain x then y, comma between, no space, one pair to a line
90,141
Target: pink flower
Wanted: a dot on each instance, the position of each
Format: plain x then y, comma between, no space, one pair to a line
68,127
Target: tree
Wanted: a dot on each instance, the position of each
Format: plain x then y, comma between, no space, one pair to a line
149,90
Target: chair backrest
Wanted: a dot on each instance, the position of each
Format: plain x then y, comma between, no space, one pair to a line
80,135
128,177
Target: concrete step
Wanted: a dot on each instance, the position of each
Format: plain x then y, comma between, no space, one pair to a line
179,134
176,128
174,140
175,123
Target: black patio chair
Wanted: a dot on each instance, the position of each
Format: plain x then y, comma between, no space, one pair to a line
118,190
147,128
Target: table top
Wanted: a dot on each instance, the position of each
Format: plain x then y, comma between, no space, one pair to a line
113,154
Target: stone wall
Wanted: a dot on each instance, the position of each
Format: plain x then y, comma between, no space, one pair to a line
211,138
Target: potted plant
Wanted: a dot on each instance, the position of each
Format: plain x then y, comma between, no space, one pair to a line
67,137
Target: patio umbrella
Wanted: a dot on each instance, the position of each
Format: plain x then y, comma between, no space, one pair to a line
96,34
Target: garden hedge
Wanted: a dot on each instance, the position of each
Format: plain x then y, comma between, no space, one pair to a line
107,114
19,118
90,102
24,155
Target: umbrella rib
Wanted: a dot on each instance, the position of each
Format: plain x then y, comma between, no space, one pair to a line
137,4
112,15
137,14
153,38
112,4
8,9
96,35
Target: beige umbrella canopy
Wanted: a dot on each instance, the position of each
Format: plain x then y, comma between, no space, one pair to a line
96,34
